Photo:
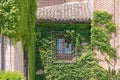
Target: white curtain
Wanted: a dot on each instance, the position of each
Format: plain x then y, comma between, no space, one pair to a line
63,47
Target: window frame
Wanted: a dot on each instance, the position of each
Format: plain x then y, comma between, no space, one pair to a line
61,34
63,45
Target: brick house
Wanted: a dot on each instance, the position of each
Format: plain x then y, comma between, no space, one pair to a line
81,11
12,58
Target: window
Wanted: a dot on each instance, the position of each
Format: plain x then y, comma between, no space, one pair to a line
64,49
64,45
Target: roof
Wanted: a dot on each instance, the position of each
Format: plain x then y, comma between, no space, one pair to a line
71,11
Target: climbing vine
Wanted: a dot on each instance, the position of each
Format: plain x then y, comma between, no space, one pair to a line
26,32
17,21
85,67
102,27
11,76
9,11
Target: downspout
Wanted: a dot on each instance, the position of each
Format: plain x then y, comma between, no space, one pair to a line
115,31
2,48
2,54
26,59
90,3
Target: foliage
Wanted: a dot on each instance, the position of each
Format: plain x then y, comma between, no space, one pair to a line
118,75
90,70
101,29
26,28
44,36
9,10
113,75
11,76
17,21
86,66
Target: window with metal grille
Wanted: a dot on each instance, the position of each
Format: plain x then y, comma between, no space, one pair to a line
64,49
64,46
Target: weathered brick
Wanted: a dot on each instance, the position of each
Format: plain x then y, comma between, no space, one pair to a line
113,7
14,56
43,3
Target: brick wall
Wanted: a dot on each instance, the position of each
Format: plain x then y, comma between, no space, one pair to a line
14,58
43,3
73,0
107,5
113,7
117,20
104,5
9,55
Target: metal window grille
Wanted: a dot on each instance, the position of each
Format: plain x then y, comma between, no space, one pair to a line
63,47
64,50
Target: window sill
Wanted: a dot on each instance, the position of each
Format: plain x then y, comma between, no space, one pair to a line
66,61
65,56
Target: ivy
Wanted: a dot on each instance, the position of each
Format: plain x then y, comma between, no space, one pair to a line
9,18
101,28
17,21
11,76
26,31
86,66
102,17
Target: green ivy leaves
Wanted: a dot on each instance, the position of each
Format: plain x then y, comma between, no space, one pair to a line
102,27
102,17
17,21
11,76
9,12
85,68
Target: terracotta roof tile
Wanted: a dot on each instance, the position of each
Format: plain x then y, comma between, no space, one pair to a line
71,11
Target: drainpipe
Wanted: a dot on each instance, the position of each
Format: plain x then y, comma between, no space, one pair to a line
2,54
26,58
115,32
2,47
